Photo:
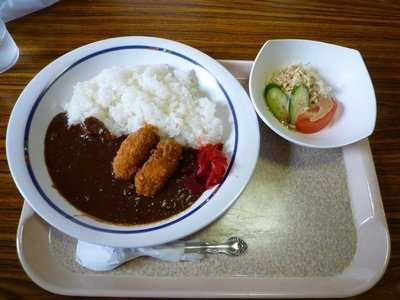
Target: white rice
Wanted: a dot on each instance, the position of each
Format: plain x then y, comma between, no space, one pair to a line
125,98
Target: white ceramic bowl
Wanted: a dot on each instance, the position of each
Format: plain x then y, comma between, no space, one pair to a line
45,96
342,68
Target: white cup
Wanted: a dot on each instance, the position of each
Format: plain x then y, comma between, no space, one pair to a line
9,51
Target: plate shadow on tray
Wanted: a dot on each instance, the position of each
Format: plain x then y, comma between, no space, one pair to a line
276,149
273,147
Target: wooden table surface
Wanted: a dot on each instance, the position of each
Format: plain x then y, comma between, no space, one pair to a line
222,29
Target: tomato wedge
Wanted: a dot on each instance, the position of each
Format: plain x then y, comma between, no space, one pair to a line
317,117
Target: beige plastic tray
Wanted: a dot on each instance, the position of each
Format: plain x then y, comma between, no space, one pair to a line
313,220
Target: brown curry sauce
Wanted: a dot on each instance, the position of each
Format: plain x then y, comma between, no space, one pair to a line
79,161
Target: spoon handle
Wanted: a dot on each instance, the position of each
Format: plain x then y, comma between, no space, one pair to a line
233,247
204,247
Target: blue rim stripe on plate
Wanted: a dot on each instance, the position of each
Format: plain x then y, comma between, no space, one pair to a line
73,219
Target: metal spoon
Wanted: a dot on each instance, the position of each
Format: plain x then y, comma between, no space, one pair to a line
234,246
104,258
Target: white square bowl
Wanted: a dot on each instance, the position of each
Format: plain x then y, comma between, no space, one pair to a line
342,68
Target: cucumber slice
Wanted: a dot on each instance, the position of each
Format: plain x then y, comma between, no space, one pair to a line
277,102
299,101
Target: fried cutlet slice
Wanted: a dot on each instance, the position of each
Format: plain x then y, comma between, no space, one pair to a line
134,151
161,165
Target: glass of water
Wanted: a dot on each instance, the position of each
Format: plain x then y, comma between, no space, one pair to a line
9,51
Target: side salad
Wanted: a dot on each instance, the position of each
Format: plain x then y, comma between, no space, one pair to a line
300,99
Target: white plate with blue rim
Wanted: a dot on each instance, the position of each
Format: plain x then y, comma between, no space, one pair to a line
44,97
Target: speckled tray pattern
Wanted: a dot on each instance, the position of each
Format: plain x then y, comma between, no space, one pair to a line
295,215
293,238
